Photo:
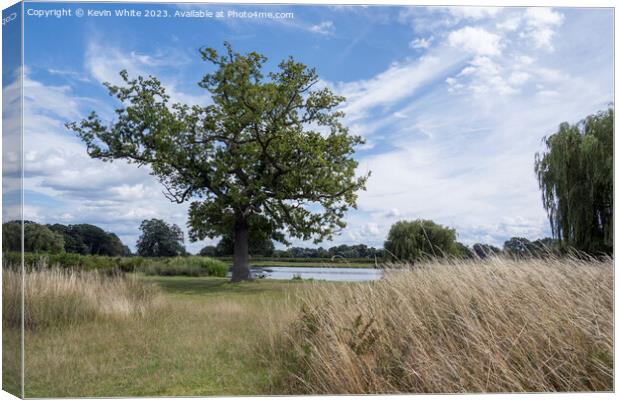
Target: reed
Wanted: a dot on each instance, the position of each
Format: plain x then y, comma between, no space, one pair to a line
494,325
58,297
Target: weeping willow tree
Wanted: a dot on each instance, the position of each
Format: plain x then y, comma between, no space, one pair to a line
575,174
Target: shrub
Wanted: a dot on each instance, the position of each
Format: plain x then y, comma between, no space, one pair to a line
163,268
187,266
130,264
74,261
215,267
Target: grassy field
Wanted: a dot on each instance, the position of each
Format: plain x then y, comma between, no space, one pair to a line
474,326
201,340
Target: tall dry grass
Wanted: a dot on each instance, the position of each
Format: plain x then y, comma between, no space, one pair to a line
461,326
59,297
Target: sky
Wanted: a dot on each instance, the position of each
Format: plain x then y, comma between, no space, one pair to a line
11,114
453,104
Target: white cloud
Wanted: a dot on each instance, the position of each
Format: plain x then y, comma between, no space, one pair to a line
484,75
41,98
510,24
434,19
371,229
393,213
69,74
518,78
476,40
324,28
11,143
105,62
473,13
421,43
467,161
396,83
541,23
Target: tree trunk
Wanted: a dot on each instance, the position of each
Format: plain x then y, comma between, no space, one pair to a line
241,269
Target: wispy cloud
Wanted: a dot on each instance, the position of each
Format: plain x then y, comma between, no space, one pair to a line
421,43
396,83
324,28
452,133
540,26
104,62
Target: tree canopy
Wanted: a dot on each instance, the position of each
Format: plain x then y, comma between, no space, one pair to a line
57,238
39,238
90,239
270,149
159,239
410,241
575,174
519,247
12,236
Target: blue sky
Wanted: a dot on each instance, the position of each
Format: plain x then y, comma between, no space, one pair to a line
453,103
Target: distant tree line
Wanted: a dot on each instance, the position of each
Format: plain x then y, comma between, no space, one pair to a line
83,239
265,248
408,241
342,251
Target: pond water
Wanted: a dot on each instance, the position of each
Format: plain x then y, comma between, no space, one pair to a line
318,273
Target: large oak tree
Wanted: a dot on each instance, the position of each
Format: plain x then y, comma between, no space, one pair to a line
270,149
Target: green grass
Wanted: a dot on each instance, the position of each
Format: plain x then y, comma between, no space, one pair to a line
204,341
11,355
210,287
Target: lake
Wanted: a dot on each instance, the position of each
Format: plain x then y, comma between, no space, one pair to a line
327,274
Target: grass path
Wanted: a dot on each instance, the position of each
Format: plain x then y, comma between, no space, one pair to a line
202,343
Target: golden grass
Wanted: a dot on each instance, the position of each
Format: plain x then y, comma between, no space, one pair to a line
461,326
58,297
